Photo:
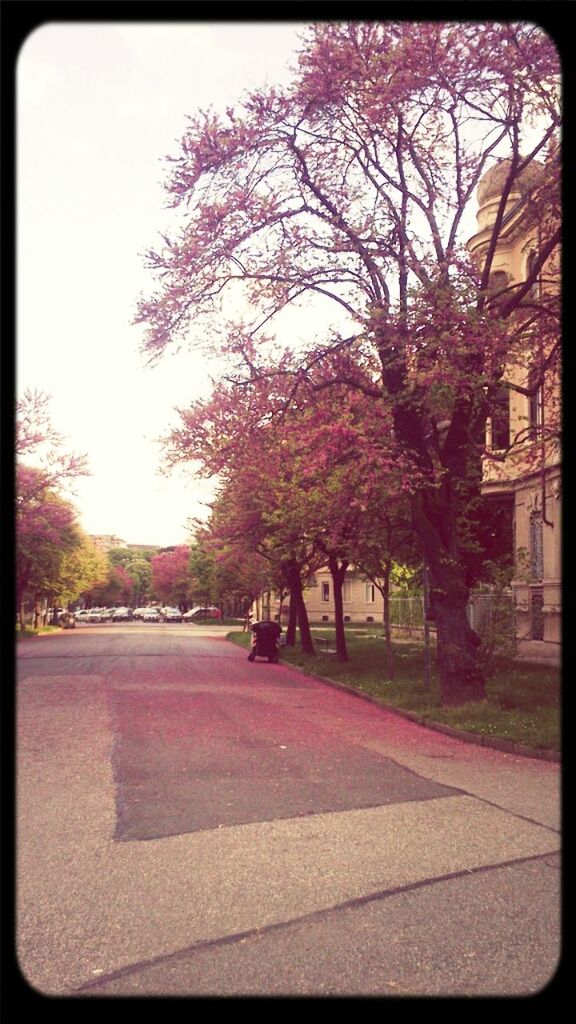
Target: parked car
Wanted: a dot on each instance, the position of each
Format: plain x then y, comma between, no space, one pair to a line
151,615
138,613
106,614
121,615
172,615
82,614
94,615
202,612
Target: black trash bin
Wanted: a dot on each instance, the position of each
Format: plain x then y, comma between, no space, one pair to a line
265,637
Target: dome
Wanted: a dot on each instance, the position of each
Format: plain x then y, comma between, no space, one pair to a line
492,183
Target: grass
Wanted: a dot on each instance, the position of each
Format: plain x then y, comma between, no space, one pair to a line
29,631
522,702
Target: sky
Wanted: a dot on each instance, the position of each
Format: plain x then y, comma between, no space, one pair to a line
99,106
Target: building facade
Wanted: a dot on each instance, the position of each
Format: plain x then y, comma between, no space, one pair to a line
523,464
362,600
106,541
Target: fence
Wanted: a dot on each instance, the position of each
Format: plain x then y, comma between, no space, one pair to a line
487,611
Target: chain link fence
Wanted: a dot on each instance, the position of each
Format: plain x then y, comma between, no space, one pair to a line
489,613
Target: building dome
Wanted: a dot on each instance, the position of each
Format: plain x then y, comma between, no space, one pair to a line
492,183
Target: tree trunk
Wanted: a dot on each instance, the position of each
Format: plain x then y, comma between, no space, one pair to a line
292,623
387,630
457,644
296,598
338,573
441,517
461,675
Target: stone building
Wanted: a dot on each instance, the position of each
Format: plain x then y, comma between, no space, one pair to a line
524,428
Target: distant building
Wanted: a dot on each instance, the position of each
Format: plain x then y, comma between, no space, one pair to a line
361,599
106,541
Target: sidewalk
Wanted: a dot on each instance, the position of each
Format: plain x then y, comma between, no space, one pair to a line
541,652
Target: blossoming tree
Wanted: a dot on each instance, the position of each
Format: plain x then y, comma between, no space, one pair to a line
354,186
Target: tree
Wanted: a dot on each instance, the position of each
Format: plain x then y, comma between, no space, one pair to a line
386,536
300,474
114,588
353,185
35,436
171,576
46,531
81,569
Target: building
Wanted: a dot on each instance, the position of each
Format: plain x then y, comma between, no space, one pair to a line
106,541
362,600
522,470
524,428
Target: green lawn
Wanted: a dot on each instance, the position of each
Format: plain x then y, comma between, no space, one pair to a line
522,702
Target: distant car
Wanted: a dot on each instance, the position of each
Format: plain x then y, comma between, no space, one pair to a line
172,615
94,615
202,612
151,615
138,613
121,615
106,614
82,614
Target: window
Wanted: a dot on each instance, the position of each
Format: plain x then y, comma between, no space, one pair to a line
347,590
536,547
370,593
536,412
325,618
500,420
325,591
498,281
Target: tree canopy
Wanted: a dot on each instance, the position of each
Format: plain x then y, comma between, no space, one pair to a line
354,187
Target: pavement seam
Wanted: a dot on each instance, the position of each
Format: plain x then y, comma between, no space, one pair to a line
253,933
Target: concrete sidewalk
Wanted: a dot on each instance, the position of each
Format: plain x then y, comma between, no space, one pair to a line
540,652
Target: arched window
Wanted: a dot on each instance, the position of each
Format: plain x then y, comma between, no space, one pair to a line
500,419
497,283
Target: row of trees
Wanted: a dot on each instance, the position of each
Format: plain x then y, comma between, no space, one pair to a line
58,565
55,560
311,482
352,188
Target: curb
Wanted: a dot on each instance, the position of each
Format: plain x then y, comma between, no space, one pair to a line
505,746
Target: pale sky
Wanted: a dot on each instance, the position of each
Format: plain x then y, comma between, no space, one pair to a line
98,107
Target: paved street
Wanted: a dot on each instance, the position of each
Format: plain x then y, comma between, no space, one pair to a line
189,823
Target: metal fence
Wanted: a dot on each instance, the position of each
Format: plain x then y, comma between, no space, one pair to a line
488,611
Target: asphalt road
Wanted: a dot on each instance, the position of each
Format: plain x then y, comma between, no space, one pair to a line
191,824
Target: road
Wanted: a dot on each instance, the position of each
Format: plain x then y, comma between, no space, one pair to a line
189,823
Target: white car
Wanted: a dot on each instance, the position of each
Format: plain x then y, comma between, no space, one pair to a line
172,615
121,615
94,615
151,615
201,612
